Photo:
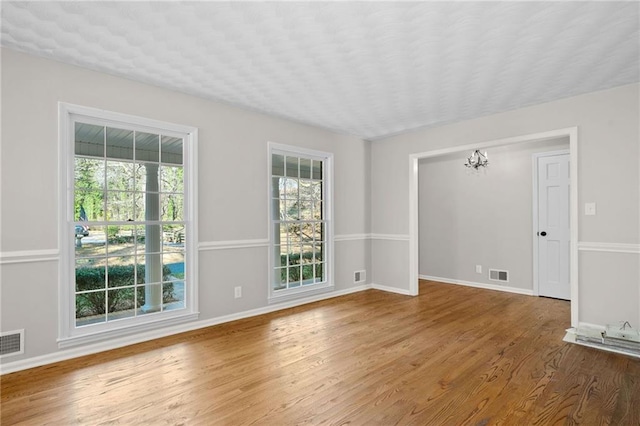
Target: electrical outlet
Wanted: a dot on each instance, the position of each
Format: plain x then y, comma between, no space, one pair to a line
238,292
590,209
479,269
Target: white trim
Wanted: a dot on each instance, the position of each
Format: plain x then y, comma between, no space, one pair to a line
328,203
507,289
68,114
111,334
390,237
233,244
29,256
609,247
10,367
571,132
534,223
300,292
388,289
351,237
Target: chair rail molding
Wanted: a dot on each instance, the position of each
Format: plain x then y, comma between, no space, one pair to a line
609,247
29,256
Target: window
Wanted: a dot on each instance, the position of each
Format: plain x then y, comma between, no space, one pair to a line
301,228
129,222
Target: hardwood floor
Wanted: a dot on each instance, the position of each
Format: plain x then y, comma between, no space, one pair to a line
452,356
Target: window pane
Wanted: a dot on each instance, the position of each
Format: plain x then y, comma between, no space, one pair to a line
292,166
277,165
89,173
119,143
119,206
121,271
294,276
119,176
280,279
172,207
319,232
307,274
317,169
306,232
89,140
90,275
173,238
90,308
147,147
316,190
306,188
154,294
172,150
171,179
149,239
173,269
121,303
89,205
319,272
293,233
306,210
150,269
290,190
307,254
173,295
319,252
278,209
292,210
89,241
318,214
121,240
305,168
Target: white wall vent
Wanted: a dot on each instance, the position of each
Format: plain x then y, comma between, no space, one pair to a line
498,275
359,276
11,343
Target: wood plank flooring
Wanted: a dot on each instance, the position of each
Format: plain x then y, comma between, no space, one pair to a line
451,356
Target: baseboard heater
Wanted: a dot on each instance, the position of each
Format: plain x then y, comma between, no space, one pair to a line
622,338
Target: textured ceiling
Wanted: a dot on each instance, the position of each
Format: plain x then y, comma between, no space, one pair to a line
365,68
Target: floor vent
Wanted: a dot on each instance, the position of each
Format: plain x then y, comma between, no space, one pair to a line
12,343
359,276
497,275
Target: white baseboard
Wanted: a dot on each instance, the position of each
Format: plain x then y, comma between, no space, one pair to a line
388,289
507,289
24,364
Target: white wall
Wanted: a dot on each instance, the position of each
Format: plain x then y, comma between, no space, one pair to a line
469,218
232,145
608,154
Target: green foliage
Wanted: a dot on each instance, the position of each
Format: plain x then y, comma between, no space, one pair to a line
306,266
95,303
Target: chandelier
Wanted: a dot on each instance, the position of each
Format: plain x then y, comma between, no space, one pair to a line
477,160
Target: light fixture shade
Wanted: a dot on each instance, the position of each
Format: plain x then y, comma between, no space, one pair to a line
477,160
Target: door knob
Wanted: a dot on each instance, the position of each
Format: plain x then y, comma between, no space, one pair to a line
543,233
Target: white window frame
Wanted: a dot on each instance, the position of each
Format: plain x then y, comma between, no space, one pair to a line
68,333
277,296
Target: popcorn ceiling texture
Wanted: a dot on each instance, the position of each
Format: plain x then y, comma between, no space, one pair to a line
370,69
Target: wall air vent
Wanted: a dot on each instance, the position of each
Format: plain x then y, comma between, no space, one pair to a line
359,276
11,343
498,275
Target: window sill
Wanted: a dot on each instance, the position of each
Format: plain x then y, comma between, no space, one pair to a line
300,293
158,327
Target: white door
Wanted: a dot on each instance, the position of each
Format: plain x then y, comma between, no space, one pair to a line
553,226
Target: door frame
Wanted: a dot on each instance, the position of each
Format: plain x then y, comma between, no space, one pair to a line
570,132
535,176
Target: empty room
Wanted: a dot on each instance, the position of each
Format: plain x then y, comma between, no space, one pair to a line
282,213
